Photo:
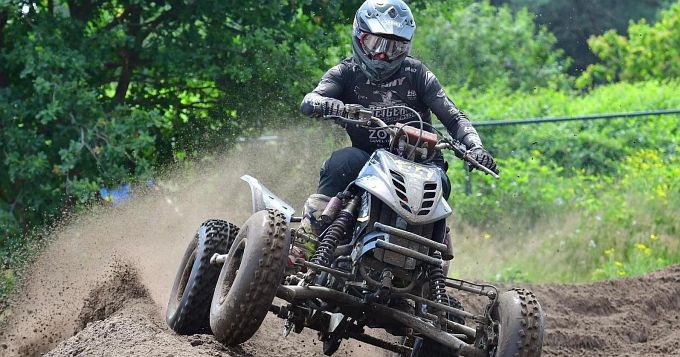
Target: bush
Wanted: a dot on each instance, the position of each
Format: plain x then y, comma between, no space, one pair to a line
649,52
595,146
581,197
482,46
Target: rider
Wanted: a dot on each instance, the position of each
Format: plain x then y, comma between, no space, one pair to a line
381,74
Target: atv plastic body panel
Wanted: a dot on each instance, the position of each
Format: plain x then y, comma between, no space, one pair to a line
412,190
265,199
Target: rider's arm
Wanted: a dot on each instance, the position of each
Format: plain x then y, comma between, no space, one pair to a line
329,89
455,121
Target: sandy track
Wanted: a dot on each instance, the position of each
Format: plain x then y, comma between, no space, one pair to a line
634,317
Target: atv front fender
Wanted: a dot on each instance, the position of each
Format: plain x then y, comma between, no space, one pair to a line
265,199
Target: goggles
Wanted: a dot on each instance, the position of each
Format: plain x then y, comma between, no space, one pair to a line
382,48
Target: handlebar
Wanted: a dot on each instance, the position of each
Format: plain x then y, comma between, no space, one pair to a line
466,156
356,114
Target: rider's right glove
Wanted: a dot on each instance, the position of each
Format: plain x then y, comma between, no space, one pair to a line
484,158
329,106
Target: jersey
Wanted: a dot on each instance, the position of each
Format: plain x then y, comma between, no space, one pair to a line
413,85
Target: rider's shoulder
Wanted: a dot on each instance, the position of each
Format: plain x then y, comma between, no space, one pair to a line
340,70
416,68
347,64
413,65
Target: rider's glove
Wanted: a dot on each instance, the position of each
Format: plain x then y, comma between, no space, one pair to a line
484,158
329,106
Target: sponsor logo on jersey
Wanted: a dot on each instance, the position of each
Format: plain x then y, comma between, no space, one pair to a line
386,97
453,109
394,83
411,94
410,69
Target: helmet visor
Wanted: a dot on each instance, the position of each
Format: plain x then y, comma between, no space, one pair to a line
382,48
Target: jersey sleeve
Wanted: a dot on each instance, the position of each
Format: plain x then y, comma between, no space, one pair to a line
455,121
330,86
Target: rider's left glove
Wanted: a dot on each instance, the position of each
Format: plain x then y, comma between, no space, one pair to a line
484,158
330,106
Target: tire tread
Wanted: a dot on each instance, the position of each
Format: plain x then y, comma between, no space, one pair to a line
247,318
192,314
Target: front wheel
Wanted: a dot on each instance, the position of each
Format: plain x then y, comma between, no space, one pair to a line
250,277
520,332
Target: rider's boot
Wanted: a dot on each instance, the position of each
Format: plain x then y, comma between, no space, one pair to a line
311,225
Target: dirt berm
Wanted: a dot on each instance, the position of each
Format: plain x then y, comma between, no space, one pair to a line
634,317
100,287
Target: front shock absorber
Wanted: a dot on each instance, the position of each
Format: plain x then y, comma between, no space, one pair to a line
438,286
335,233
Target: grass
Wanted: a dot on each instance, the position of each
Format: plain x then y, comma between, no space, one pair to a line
606,228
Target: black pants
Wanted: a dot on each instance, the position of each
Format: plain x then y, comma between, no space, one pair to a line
344,165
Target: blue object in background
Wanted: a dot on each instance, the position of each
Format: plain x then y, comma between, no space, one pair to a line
117,195
121,193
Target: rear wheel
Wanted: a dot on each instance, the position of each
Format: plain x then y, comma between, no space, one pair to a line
520,332
189,306
250,277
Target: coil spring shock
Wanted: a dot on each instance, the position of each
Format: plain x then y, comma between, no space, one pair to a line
438,287
335,233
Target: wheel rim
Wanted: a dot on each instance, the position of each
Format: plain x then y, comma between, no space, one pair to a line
186,273
232,267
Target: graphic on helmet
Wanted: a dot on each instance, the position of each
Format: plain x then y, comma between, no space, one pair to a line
381,38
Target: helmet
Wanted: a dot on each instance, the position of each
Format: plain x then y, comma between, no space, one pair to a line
381,37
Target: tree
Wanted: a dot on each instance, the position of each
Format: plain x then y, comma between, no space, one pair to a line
101,92
480,46
651,51
573,22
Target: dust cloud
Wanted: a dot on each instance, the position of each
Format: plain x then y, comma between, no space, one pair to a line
151,231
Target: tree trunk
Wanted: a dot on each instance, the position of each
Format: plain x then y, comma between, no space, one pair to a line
80,9
4,78
129,57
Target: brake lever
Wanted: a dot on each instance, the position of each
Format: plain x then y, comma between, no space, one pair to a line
466,155
358,111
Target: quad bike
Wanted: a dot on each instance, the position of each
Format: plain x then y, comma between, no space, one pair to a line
378,264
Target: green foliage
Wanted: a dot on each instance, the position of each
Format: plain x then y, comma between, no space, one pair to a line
607,185
637,258
595,146
573,22
649,52
482,46
639,230
101,93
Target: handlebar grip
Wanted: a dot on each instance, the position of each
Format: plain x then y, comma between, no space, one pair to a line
317,109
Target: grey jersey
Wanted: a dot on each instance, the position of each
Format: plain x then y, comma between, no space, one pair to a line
413,86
